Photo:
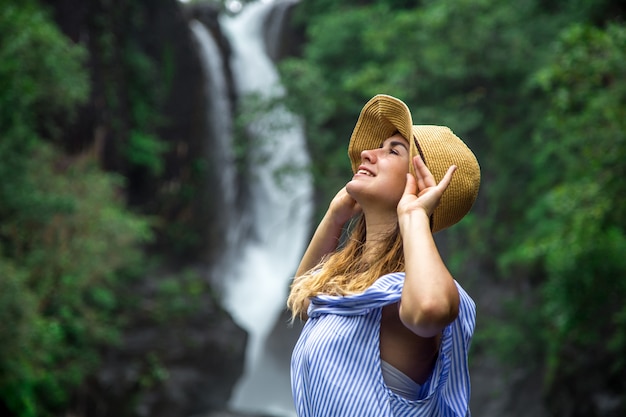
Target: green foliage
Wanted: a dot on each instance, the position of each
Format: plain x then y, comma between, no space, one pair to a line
185,294
41,77
144,149
576,226
39,67
155,372
63,264
133,87
538,91
67,242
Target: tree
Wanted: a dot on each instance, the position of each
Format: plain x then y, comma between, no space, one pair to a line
576,222
67,242
537,91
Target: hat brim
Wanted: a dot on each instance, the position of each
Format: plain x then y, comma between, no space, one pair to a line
380,118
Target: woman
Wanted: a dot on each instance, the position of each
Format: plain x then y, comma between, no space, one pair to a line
388,328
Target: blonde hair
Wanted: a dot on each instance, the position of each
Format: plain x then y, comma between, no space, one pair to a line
345,271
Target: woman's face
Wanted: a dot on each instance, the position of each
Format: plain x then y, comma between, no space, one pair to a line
381,177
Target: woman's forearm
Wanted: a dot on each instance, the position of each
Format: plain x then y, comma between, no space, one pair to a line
325,240
326,237
430,299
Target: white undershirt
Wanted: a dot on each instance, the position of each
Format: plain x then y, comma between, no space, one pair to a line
400,383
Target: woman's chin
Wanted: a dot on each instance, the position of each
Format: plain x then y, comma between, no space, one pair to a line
354,188
360,192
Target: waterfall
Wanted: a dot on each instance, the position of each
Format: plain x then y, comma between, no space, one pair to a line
261,257
219,116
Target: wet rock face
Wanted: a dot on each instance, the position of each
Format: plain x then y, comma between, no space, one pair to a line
167,365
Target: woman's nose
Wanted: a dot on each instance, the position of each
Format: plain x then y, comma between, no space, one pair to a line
368,155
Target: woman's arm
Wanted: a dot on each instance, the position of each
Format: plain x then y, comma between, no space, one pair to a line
326,237
430,299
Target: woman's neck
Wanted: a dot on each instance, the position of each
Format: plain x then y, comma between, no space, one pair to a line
377,236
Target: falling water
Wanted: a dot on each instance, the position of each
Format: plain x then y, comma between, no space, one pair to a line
219,116
259,265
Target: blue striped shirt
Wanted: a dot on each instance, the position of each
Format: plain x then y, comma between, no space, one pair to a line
335,366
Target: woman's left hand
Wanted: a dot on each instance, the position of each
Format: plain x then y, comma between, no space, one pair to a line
422,191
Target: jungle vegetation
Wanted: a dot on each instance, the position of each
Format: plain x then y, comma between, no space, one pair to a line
536,88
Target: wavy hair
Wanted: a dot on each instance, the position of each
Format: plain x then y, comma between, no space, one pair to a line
345,271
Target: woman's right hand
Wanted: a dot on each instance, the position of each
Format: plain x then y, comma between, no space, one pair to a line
343,207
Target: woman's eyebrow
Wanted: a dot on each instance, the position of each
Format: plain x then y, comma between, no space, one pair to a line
395,143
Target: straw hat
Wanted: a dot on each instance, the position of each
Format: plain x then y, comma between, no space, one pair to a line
439,148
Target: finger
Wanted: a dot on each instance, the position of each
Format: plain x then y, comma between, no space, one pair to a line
445,181
411,186
425,178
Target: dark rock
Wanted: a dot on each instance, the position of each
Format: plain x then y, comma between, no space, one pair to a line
171,362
